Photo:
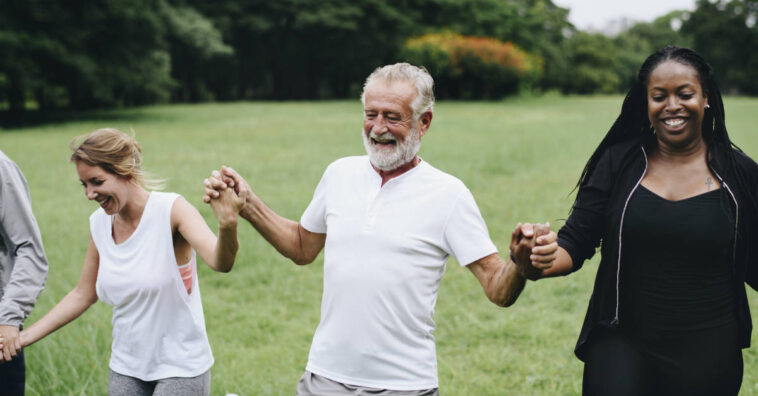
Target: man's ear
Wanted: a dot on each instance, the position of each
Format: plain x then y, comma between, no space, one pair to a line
424,122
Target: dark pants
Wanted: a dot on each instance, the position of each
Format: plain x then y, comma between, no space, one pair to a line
699,362
13,376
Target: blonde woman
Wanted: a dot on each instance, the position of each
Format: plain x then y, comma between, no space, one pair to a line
141,260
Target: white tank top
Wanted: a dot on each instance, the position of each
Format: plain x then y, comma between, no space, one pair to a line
158,329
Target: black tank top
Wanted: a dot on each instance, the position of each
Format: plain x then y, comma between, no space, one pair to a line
675,270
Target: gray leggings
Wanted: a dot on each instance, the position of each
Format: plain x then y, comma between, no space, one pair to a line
123,385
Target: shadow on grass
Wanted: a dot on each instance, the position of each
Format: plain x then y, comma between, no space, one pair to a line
32,118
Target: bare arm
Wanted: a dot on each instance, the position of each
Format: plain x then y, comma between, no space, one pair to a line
218,252
72,305
286,236
503,281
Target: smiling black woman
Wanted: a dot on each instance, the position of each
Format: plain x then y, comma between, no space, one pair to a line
669,312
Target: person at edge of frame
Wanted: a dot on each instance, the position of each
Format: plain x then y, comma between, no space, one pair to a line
673,201
23,272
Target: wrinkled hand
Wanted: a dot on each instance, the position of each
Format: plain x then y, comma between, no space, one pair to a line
10,342
227,206
216,183
534,247
220,180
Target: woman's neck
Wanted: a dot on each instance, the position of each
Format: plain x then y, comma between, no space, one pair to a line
692,152
135,205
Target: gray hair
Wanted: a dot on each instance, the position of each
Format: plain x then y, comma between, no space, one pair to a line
419,77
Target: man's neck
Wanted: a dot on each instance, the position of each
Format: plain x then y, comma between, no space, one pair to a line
390,174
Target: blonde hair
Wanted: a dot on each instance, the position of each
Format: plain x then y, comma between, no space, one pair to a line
116,152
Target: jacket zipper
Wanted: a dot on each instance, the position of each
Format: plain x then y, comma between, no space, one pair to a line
615,321
736,214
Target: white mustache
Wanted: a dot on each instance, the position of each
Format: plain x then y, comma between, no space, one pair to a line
383,137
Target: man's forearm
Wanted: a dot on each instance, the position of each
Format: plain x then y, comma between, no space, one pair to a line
282,233
508,284
501,280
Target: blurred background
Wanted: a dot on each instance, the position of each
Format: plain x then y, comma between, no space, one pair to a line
59,56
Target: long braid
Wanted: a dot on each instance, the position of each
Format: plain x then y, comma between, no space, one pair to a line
630,124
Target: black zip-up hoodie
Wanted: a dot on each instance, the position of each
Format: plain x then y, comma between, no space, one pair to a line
598,215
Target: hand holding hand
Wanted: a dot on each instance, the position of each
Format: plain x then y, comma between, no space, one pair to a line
10,342
216,183
228,193
533,248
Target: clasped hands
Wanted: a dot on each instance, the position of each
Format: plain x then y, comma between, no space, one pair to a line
10,342
533,249
226,192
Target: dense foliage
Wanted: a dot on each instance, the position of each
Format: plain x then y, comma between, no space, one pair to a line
727,35
472,67
82,54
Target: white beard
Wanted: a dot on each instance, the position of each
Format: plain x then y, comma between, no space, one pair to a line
385,159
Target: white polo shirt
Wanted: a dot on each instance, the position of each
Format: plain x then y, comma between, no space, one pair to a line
385,254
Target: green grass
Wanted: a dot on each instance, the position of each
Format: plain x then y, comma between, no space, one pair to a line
520,158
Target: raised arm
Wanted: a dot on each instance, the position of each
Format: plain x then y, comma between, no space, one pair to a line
503,280
286,236
218,252
72,305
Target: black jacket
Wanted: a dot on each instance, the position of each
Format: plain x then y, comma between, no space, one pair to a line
598,215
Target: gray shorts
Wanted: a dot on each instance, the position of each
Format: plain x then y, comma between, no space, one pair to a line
315,385
124,385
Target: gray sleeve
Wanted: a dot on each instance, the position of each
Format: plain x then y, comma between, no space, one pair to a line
23,265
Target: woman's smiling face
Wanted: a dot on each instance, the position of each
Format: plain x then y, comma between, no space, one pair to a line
110,191
676,104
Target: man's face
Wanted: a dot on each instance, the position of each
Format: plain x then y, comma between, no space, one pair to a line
390,134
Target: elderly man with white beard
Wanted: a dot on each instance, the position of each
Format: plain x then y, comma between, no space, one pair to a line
388,223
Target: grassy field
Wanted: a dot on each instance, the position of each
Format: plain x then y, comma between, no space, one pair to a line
520,158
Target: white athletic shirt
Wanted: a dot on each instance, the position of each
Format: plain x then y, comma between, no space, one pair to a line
384,258
158,329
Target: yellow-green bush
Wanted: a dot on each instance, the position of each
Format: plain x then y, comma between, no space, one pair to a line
473,67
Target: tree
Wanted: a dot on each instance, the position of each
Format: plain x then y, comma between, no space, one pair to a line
537,26
642,39
594,64
88,54
295,49
195,44
725,33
